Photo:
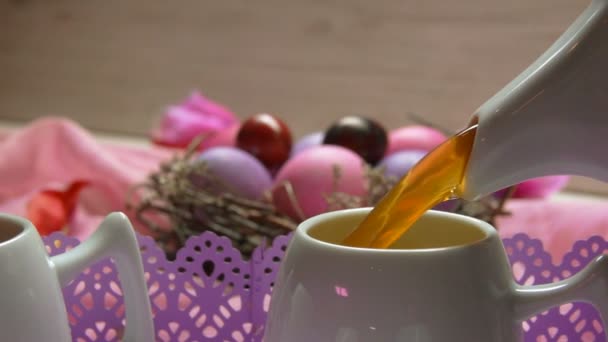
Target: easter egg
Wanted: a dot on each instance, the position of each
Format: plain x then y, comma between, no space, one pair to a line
414,137
449,205
267,138
241,172
399,163
302,184
306,142
364,136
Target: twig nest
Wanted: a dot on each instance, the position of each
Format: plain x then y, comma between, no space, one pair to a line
230,191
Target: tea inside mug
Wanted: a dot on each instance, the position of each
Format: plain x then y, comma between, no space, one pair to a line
437,231
9,230
436,178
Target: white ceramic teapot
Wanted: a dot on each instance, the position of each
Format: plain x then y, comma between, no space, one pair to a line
553,118
31,302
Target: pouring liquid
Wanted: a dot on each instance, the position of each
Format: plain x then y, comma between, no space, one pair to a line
436,178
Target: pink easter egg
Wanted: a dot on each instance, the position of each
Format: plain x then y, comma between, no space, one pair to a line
225,137
414,137
311,176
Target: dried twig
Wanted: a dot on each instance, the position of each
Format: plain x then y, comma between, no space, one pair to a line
193,200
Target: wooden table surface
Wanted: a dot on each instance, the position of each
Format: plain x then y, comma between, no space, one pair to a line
114,65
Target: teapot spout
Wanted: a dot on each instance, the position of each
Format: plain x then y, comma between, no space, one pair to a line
550,120
589,285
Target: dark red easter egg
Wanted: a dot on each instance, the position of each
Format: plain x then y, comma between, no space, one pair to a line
362,135
267,138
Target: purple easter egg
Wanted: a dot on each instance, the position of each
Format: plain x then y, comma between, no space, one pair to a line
399,163
449,205
306,142
241,171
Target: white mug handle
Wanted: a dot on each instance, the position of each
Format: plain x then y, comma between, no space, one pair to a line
115,238
588,285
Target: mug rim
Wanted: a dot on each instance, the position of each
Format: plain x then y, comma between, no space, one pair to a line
304,227
21,222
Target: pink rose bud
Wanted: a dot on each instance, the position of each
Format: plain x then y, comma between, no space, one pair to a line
223,137
195,116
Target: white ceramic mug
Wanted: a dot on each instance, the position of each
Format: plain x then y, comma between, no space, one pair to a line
31,302
448,279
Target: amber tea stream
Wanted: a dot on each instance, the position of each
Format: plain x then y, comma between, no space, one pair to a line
436,178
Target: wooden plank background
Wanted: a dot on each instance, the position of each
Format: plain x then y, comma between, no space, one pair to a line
113,65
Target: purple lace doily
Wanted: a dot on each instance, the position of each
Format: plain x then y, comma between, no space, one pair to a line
209,293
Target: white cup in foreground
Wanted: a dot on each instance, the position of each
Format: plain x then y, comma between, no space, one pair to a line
447,279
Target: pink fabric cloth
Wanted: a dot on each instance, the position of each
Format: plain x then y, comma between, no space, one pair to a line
53,152
558,224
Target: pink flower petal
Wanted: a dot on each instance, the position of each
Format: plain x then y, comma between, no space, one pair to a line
197,103
196,115
540,187
225,137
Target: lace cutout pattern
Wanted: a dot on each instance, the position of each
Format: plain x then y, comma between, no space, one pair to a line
210,293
